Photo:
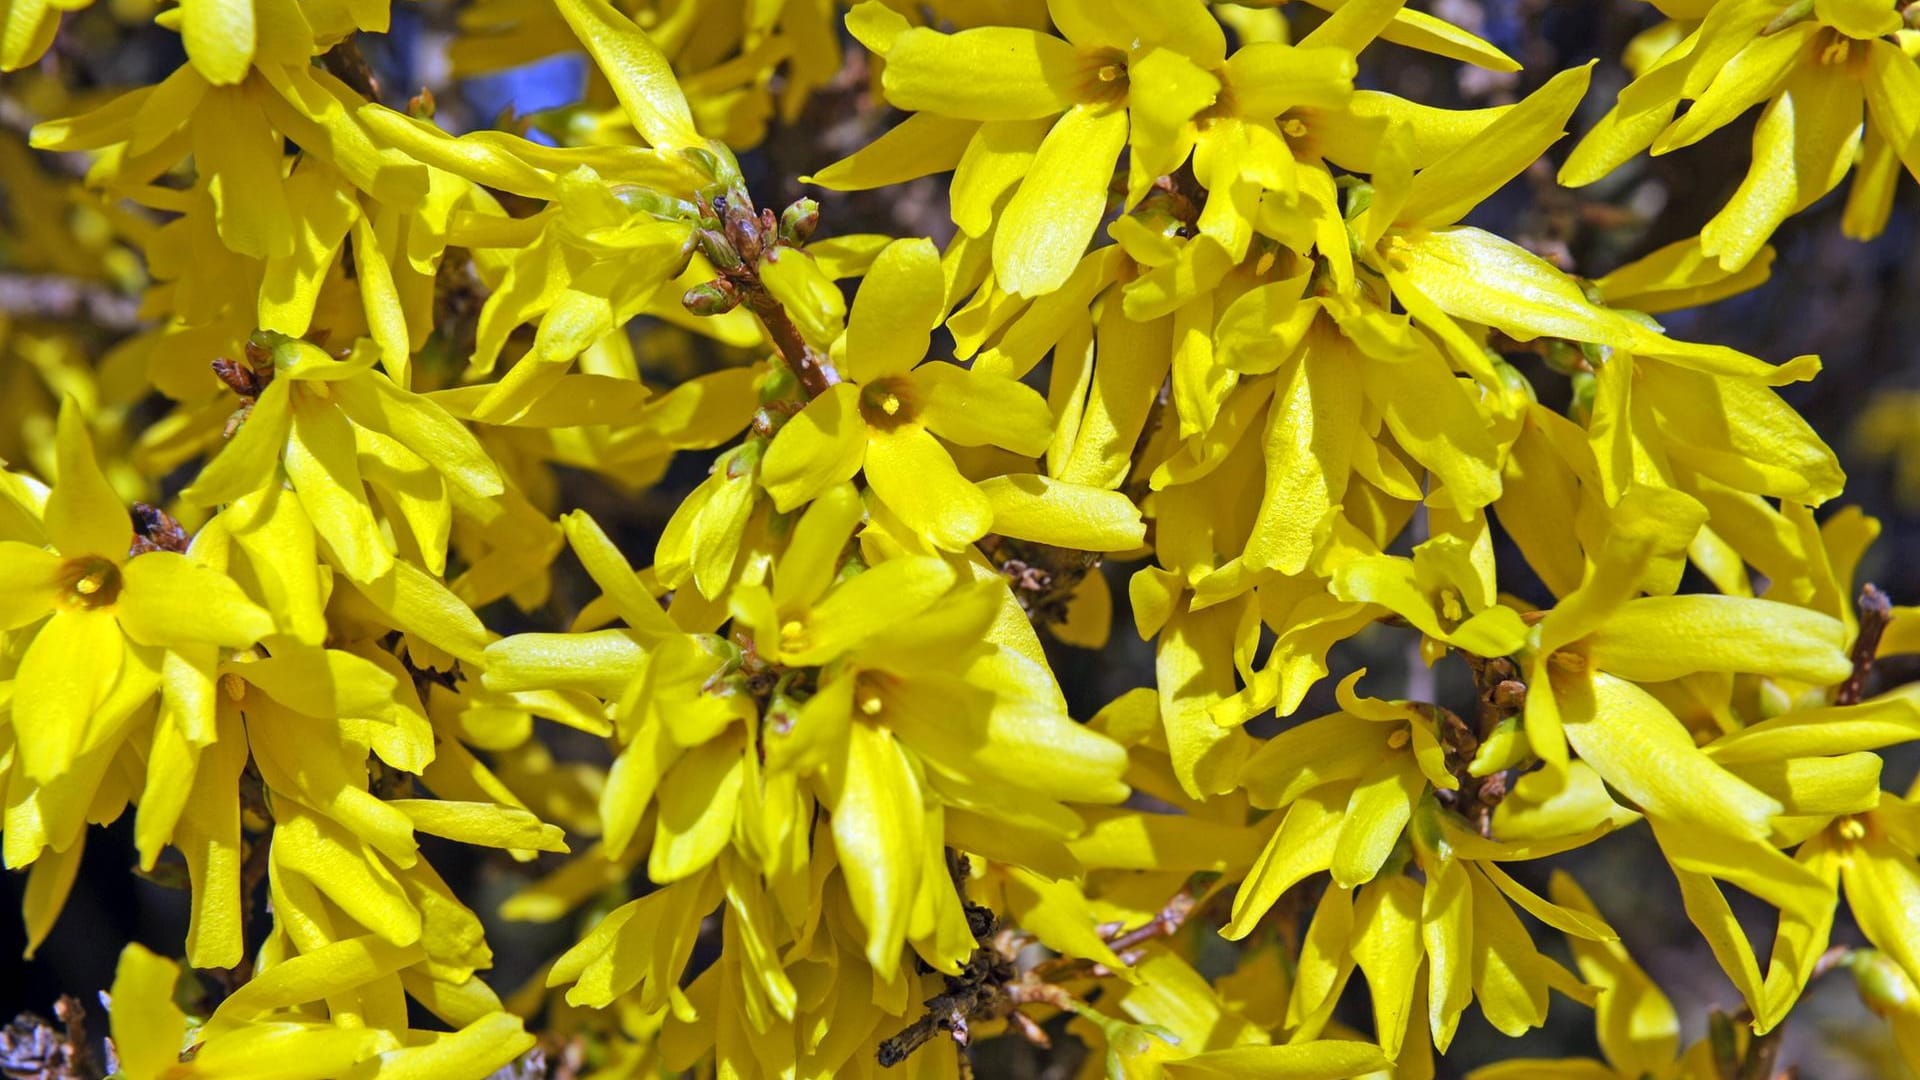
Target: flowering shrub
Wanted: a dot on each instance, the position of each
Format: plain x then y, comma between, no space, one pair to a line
288,575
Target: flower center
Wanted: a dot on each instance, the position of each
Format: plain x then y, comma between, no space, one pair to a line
90,583
886,404
1105,81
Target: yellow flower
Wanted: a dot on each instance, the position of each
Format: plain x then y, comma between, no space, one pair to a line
266,1027
94,604
1821,69
308,419
883,419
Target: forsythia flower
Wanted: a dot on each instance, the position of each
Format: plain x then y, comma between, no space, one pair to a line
812,794
1821,69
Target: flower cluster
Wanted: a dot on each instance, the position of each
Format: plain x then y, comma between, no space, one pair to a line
288,571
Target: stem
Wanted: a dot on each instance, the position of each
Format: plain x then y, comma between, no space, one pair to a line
813,370
1876,611
744,238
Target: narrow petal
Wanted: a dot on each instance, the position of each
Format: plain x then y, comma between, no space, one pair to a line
1443,192
1047,225
915,476
1656,638
1617,728
899,302
29,583
84,515
219,36
148,1028
922,144
322,464
1033,73
169,598
1027,506
641,77
1802,148
878,814
248,462
822,446
67,671
972,408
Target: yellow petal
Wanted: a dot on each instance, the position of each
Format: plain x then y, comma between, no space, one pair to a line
324,467
479,1049
239,153
1617,728
67,671
219,37
899,302
1047,225
915,476
1802,147
29,583
878,816
149,1030
924,143
1656,638
168,598
1034,74
641,77
699,801
84,516
821,446
1064,514
974,408
1444,191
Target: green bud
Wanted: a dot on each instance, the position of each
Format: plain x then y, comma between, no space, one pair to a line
710,298
704,160
648,201
1359,198
778,384
1516,384
1585,386
714,245
1563,356
798,221
1884,987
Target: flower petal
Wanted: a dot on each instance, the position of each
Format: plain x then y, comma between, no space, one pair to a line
899,302
917,479
84,515
822,446
1048,223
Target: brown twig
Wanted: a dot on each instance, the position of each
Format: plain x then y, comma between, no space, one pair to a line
745,238
31,1048
1876,612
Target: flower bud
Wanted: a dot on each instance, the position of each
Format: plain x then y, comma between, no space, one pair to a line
718,250
715,297
1585,386
1884,987
798,221
778,384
